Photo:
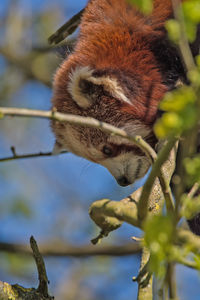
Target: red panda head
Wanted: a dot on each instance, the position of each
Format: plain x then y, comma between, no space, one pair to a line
113,75
113,97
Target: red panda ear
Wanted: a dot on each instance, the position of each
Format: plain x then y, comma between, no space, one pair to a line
85,88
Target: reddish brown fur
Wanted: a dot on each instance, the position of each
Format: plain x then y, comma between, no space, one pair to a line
115,36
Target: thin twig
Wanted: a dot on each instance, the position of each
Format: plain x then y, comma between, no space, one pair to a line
67,250
193,190
187,263
186,237
31,155
43,280
12,148
144,277
171,281
67,29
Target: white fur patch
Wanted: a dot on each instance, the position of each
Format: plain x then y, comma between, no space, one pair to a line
179,83
74,88
136,128
127,165
132,128
110,85
71,142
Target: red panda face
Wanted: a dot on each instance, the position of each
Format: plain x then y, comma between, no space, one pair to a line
125,162
118,73
101,95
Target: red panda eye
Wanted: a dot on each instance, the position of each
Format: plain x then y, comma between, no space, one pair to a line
107,151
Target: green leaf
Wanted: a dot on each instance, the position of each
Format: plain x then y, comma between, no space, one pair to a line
181,111
191,30
178,99
145,6
173,28
194,76
191,11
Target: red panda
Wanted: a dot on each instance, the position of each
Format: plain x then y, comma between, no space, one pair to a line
120,69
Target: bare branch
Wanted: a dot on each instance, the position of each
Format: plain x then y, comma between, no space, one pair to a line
42,275
32,155
65,250
187,263
67,29
186,237
170,281
193,190
17,292
144,278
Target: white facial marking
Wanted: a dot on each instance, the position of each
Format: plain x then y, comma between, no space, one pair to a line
71,142
136,128
110,85
131,128
127,165
74,88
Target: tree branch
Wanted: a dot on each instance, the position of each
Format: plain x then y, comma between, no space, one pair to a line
193,190
31,155
65,250
42,274
17,292
67,29
186,237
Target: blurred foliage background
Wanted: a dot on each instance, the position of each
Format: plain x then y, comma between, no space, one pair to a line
49,197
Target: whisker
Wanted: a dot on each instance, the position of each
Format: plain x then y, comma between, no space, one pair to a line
138,169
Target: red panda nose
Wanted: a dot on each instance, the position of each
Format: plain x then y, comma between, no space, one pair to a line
123,181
